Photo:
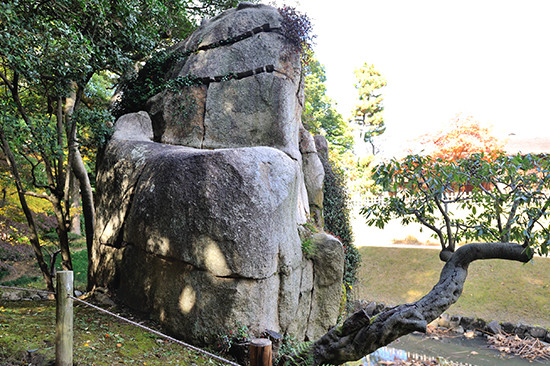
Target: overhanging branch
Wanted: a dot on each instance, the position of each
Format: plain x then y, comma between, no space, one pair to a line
360,335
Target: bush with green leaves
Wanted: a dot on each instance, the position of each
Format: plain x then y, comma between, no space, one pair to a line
477,198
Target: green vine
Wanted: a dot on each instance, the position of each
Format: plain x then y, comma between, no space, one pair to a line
336,212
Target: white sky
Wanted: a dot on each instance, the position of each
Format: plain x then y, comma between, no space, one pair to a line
487,58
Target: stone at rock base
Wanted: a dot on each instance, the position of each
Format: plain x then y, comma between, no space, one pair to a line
466,322
537,332
459,330
494,327
329,254
371,308
507,327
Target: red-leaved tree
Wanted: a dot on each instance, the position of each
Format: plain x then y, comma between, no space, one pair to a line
463,137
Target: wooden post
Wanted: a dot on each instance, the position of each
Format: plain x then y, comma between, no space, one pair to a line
64,319
260,352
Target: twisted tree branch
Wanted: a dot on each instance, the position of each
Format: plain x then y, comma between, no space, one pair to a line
359,335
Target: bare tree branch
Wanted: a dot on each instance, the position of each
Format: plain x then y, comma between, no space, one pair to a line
37,195
432,227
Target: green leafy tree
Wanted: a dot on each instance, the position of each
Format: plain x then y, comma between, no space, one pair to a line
507,199
368,112
49,54
507,202
319,115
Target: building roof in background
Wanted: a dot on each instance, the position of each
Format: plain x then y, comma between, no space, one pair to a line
514,144
527,145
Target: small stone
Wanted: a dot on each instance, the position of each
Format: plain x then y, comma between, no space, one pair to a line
104,299
521,330
359,304
459,330
371,308
493,327
35,297
537,332
273,335
466,322
11,296
444,321
507,327
455,321
479,324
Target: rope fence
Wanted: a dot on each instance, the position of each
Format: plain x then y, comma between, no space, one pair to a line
206,353
68,287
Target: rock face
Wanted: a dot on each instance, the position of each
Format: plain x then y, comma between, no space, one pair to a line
199,198
249,93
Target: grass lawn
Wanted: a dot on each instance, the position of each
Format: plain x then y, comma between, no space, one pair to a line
27,331
494,290
28,336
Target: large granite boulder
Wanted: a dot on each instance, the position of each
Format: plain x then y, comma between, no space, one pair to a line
199,200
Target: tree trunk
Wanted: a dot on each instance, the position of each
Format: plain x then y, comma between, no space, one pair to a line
35,241
62,230
87,201
75,205
360,335
79,169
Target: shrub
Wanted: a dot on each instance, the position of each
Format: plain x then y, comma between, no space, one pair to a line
297,28
150,80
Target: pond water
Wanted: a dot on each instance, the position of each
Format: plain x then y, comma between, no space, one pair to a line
466,351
